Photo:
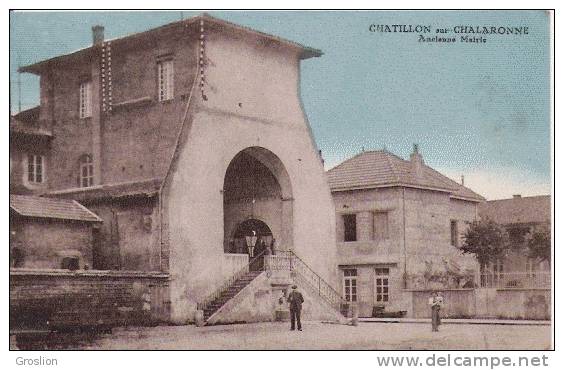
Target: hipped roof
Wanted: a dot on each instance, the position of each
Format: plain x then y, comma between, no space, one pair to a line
374,169
305,51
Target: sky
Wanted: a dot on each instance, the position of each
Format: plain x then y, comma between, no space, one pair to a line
481,110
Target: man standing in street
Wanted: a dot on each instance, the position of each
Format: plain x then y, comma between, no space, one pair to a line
295,299
436,302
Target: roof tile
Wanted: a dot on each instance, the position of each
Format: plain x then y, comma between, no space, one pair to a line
64,209
517,210
382,168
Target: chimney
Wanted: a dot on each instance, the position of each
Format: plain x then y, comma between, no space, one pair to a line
516,196
416,161
462,179
97,34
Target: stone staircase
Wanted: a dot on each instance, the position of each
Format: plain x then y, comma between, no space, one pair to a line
229,293
286,261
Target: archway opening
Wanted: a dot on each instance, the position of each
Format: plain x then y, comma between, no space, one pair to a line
257,198
252,228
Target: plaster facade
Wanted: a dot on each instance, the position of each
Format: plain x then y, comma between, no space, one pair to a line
243,113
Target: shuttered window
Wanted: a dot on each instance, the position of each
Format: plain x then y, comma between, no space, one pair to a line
454,233
380,225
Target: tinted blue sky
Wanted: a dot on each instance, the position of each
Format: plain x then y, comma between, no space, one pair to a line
482,110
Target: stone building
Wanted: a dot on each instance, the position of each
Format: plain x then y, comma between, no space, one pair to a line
187,140
37,227
399,224
520,216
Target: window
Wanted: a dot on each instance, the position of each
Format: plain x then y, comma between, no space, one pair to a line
454,233
532,265
349,284
350,227
497,270
165,71
382,284
35,169
85,101
517,236
86,177
380,225
70,263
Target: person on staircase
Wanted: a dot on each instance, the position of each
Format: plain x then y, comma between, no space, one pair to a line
295,299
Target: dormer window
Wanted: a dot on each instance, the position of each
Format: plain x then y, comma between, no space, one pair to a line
165,72
85,101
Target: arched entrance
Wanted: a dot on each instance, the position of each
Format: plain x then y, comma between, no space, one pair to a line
257,197
252,228
253,237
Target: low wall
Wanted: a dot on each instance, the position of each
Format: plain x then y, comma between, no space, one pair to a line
62,299
458,303
530,304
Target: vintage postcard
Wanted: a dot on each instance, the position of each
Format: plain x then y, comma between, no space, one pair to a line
281,180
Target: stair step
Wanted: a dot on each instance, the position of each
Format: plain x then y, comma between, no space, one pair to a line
230,292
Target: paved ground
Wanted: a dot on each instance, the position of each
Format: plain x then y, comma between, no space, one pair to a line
328,336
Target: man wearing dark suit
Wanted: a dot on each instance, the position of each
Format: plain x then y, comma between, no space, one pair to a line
295,298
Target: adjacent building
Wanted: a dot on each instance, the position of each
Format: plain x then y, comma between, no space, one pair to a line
399,224
521,217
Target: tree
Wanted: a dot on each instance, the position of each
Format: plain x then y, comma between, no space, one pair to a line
538,244
486,239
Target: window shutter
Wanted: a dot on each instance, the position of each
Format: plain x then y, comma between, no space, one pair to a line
170,79
30,168
380,225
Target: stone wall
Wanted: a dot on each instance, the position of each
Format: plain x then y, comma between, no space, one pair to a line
137,139
428,242
46,242
63,299
459,303
531,304
129,237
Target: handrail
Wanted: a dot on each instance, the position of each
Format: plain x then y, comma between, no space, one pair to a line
227,283
309,276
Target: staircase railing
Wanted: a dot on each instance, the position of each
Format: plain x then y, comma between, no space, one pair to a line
206,302
288,260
